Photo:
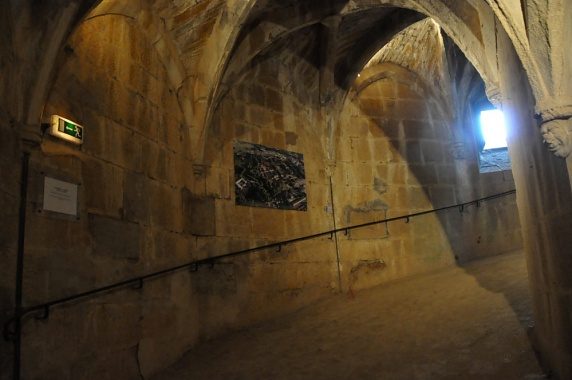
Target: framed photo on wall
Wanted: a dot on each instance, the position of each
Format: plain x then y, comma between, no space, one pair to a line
269,177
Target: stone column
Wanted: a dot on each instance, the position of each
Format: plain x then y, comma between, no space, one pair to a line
544,199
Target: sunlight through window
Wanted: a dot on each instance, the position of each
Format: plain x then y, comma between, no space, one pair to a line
493,129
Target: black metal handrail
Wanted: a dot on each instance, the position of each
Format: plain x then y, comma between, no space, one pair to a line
194,265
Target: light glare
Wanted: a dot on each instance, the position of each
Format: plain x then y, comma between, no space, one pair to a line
493,129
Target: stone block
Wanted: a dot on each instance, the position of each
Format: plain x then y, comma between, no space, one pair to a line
170,248
271,138
274,100
96,143
360,149
405,91
384,173
219,183
124,147
136,198
442,131
256,95
174,168
412,198
414,109
279,121
447,174
398,229
44,225
416,130
392,128
442,196
390,109
400,174
291,138
297,226
366,273
385,89
422,174
260,116
220,279
269,79
411,151
381,151
433,151
103,184
240,224
372,107
115,238
154,90
171,133
269,222
198,214
165,206
154,160
377,231
360,174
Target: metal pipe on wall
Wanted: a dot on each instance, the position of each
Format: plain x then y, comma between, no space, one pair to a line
20,265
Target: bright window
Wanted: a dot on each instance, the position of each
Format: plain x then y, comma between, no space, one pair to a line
493,129
493,156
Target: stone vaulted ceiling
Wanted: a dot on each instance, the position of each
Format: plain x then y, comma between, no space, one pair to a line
348,39
213,43
190,24
216,42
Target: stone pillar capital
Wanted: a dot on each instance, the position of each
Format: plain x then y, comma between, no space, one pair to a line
554,111
556,126
494,94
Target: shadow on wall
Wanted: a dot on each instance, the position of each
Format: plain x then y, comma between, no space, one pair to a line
395,128
439,163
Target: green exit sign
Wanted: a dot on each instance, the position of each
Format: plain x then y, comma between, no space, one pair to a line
66,130
72,129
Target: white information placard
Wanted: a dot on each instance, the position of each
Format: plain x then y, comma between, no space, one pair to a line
60,196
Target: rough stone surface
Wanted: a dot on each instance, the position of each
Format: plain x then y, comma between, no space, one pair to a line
472,318
120,240
164,89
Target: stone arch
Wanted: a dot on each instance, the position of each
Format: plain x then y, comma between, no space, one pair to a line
391,73
58,23
465,33
154,29
467,37
202,85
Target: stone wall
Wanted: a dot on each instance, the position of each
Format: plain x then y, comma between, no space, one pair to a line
545,207
274,104
397,155
131,176
10,159
144,205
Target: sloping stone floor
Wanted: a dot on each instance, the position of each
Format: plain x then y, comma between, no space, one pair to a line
460,323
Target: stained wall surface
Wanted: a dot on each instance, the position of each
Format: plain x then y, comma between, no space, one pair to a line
397,155
545,206
9,184
146,203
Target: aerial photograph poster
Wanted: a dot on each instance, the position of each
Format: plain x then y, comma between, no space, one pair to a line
268,177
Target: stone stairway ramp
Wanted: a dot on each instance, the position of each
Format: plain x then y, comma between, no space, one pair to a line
453,324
